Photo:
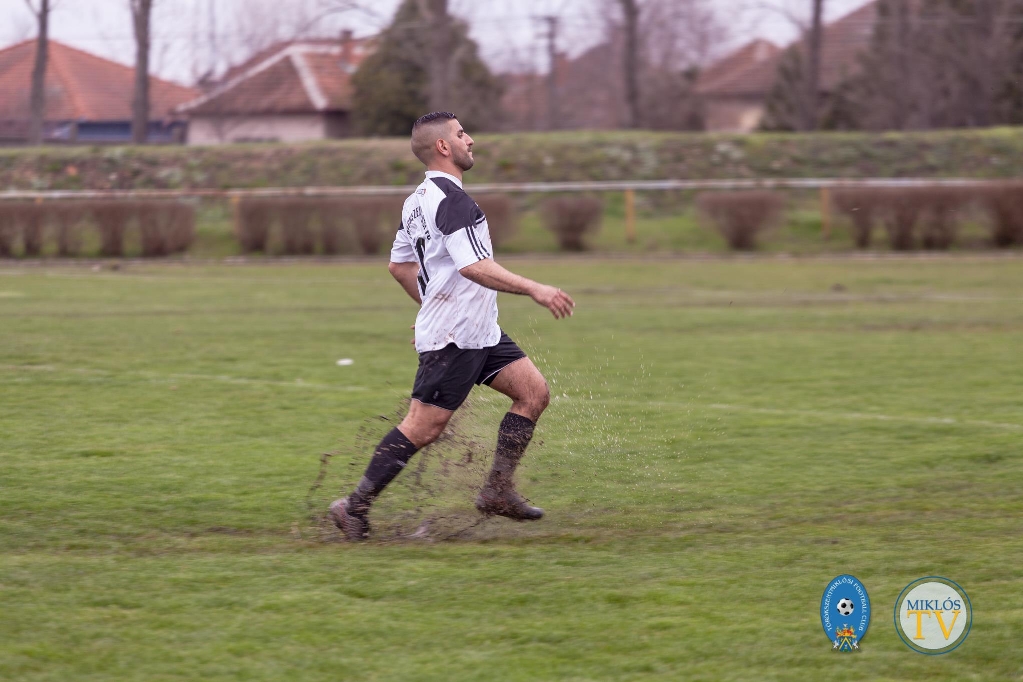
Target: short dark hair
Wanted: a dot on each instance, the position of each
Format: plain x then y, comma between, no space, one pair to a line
433,116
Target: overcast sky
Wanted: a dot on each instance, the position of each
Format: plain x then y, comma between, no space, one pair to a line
507,30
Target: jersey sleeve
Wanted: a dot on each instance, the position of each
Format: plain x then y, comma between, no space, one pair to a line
457,218
402,250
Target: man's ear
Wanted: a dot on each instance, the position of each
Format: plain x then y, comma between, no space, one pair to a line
442,147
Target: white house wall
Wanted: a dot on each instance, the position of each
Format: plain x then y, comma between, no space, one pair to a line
269,128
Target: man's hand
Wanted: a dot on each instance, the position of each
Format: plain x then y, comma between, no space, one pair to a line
555,300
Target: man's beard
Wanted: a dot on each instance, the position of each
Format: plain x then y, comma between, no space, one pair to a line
464,162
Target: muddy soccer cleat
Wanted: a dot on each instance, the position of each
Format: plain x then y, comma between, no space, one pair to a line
507,503
355,526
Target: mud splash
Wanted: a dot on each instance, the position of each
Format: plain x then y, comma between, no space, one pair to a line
432,499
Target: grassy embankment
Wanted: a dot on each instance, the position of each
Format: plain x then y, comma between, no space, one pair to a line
725,437
666,223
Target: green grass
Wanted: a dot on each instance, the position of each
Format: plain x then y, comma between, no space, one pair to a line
725,437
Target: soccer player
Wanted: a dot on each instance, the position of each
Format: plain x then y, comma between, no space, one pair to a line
443,258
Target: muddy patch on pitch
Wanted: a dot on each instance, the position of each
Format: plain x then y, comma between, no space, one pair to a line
432,499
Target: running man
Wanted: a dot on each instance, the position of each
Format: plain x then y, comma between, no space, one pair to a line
443,258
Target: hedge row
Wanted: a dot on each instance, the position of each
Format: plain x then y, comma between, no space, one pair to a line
347,225
927,217
161,227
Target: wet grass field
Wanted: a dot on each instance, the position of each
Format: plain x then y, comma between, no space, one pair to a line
725,437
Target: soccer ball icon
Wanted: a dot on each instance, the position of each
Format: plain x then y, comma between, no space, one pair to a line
845,607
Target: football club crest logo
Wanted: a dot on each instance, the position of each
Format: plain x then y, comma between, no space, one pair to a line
933,615
845,613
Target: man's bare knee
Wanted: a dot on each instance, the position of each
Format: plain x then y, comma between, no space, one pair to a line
535,400
423,427
543,397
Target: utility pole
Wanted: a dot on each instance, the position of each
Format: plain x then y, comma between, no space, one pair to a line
552,24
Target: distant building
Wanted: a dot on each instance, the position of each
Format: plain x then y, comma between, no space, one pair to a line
88,98
735,88
291,92
733,101
588,93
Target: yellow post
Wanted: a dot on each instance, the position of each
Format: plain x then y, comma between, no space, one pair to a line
236,217
826,213
630,215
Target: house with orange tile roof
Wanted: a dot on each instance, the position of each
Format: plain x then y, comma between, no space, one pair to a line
735,88
291,92
88,98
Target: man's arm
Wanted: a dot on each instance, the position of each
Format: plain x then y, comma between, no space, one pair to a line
407,274
489,274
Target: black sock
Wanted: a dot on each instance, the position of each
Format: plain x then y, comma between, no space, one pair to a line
390,457
513,436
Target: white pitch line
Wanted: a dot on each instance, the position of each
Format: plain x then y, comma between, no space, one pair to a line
866,416
156,377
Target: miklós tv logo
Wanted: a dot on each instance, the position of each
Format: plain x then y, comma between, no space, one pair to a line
933,615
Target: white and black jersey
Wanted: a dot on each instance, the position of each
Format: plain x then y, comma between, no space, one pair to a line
443,230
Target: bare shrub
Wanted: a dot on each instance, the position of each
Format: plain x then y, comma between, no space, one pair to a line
111,218
335,237
942,212
68,219
902,207
366,215
153,234
500,212
32,217
1003,203
181,226
298,238
8,228
860,206
165,227
572,219
741,216
252,220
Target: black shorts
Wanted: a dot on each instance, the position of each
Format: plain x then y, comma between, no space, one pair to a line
446,376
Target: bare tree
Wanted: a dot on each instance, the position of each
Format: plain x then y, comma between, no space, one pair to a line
630,26
941,63
679,37
37,98
440,31
141,12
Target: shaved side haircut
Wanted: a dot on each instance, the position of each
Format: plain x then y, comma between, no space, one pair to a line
425,133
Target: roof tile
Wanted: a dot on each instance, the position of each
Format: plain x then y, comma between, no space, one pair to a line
79,86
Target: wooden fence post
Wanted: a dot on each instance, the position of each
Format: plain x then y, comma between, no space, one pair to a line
630,216
825,213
